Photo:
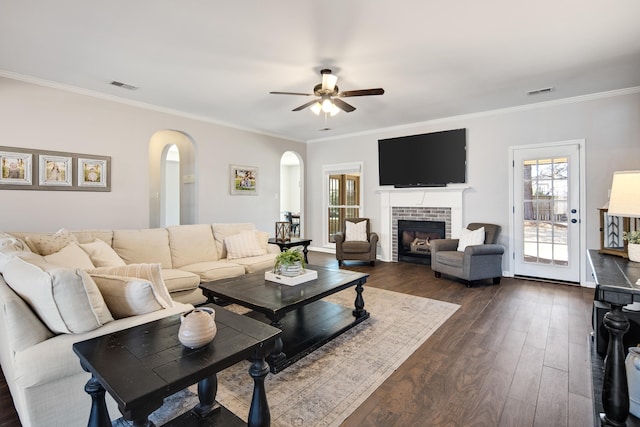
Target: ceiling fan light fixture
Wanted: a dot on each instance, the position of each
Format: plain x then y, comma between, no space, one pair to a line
329,82
334,110
316,108
327,105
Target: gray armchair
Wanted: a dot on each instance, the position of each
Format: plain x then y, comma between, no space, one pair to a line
475,263
356,250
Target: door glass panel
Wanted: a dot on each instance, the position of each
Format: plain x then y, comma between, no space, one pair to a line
344,201
545,233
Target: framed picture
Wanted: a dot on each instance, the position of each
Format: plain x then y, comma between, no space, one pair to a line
93,172
244,180
15,168
55,170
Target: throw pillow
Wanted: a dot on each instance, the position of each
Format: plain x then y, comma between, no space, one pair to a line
67,300
243,245
101,254
356,231
10,247
46,244
150,272
71,256
470,238
127,296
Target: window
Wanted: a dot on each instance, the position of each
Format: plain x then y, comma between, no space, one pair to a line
342,200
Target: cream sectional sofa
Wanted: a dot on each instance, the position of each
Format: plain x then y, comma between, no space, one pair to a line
36,356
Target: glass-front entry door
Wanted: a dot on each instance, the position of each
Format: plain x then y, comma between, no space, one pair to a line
547,212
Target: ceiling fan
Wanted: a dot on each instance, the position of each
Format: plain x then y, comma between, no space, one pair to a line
329,95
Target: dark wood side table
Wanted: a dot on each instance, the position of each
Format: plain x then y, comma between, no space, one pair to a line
295,241
615,284
140,366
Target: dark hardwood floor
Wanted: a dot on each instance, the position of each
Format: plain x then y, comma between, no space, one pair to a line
514,354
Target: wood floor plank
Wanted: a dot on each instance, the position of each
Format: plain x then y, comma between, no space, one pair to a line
517,414
553,398
526,379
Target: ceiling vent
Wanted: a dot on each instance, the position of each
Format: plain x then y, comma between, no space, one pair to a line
123,85
540,91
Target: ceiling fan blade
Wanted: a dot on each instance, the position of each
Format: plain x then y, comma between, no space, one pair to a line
291,93
347,108
308,104
361,92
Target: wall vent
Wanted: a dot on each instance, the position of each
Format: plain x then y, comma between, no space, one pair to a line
540,91
123,85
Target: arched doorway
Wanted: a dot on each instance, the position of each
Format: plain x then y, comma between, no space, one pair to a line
164,192
291,188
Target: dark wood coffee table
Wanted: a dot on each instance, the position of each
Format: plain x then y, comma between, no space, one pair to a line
140,366
311,323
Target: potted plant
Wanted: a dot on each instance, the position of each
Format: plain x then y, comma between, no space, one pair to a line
633,237
289,262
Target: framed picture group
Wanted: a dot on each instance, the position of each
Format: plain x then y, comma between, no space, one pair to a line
26,169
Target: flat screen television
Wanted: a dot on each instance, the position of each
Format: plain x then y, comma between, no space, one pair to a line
427,160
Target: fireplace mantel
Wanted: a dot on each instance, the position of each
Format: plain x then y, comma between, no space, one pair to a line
426,197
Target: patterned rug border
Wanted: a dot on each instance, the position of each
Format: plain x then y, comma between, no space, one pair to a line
326,386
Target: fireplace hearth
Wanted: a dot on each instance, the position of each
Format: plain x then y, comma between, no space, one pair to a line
414,240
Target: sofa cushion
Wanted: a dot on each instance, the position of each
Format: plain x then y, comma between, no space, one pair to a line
88,236
180,280
355,247
191,244
143,246
257,263
127,296
71,256
47,243
150,272
222,231
10,246
470,238
215,270
243,245
356,231
101,254
66,300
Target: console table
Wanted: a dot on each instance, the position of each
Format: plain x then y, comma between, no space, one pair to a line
292,243
615,284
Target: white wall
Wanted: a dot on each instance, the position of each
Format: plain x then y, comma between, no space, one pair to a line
290,188
609,125
39,117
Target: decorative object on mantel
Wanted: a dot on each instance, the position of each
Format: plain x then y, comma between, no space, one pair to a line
27,169
197,327
625,202
283,231
632,364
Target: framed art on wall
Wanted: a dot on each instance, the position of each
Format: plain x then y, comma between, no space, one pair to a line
15,168
55,170
93,172
244,180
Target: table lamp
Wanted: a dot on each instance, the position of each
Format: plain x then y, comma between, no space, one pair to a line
624,201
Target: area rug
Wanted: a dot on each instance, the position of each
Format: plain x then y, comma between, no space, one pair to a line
325,387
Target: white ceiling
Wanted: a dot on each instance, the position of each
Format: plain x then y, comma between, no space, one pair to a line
218,60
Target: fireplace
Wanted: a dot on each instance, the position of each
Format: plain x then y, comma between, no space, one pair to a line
414,239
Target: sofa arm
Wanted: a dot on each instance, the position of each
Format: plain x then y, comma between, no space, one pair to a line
488,249
339,239
443,245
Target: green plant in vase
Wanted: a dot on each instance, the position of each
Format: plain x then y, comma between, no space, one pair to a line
633,249
289,262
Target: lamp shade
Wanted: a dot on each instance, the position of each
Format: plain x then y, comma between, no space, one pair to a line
625,194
